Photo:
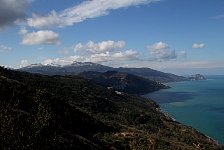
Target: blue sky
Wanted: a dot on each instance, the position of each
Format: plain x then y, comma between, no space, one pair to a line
180,36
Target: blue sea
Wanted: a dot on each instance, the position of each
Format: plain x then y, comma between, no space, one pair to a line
199,104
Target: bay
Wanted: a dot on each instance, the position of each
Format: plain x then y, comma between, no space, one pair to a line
199,104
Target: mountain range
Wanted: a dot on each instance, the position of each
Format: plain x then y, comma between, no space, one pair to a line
79,67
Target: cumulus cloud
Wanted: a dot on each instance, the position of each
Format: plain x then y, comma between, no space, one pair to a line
24,63
65,60
102,57
198,45
42,37
100,47
117,56
161,51
4,48
97,58
11,11
85,10
126,55
78,47
104,51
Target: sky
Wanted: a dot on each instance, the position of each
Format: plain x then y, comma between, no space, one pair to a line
178,36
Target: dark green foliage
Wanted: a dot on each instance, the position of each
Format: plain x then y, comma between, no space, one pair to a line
124,82
70,112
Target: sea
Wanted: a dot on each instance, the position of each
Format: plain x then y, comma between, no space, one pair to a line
199,104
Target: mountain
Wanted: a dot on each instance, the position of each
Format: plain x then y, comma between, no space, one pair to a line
71,112
123,82
197,77
153,74
79,67
74,68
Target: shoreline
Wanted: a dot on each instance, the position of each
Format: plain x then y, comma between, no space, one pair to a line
165,113
171,117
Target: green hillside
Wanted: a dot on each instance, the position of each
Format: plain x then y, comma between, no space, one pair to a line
70,112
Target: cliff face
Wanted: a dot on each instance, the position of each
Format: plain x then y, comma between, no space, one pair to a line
70,112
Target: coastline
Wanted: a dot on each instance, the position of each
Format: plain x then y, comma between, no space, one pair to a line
177,108
170,117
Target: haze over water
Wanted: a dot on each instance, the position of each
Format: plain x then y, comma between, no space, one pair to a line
199,104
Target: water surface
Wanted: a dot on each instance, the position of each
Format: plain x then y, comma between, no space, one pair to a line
199,104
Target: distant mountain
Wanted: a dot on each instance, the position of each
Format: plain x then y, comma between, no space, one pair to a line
70,112
74,68
79,67
197,77
123,82
44,69
153,74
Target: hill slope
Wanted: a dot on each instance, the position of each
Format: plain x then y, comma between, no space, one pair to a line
70,112
123,82
79,67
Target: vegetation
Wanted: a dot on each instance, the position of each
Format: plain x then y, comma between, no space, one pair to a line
70,112
124,82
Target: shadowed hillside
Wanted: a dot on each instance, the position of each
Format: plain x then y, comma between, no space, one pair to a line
70,112
124,82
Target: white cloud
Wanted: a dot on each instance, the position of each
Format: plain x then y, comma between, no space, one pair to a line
198,45
102,57
104,51
23,31
85,10
126,55
40,21
158,46
4,48
161,51
65,60
11,11
97,58
78,47
42,37
24,63
118,56
182,54
100,47
48,61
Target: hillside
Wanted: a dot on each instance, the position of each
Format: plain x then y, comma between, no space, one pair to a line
79,67
70,112
153,74
124,82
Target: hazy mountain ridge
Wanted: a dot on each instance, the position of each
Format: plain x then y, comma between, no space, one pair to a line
79,67
70,112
